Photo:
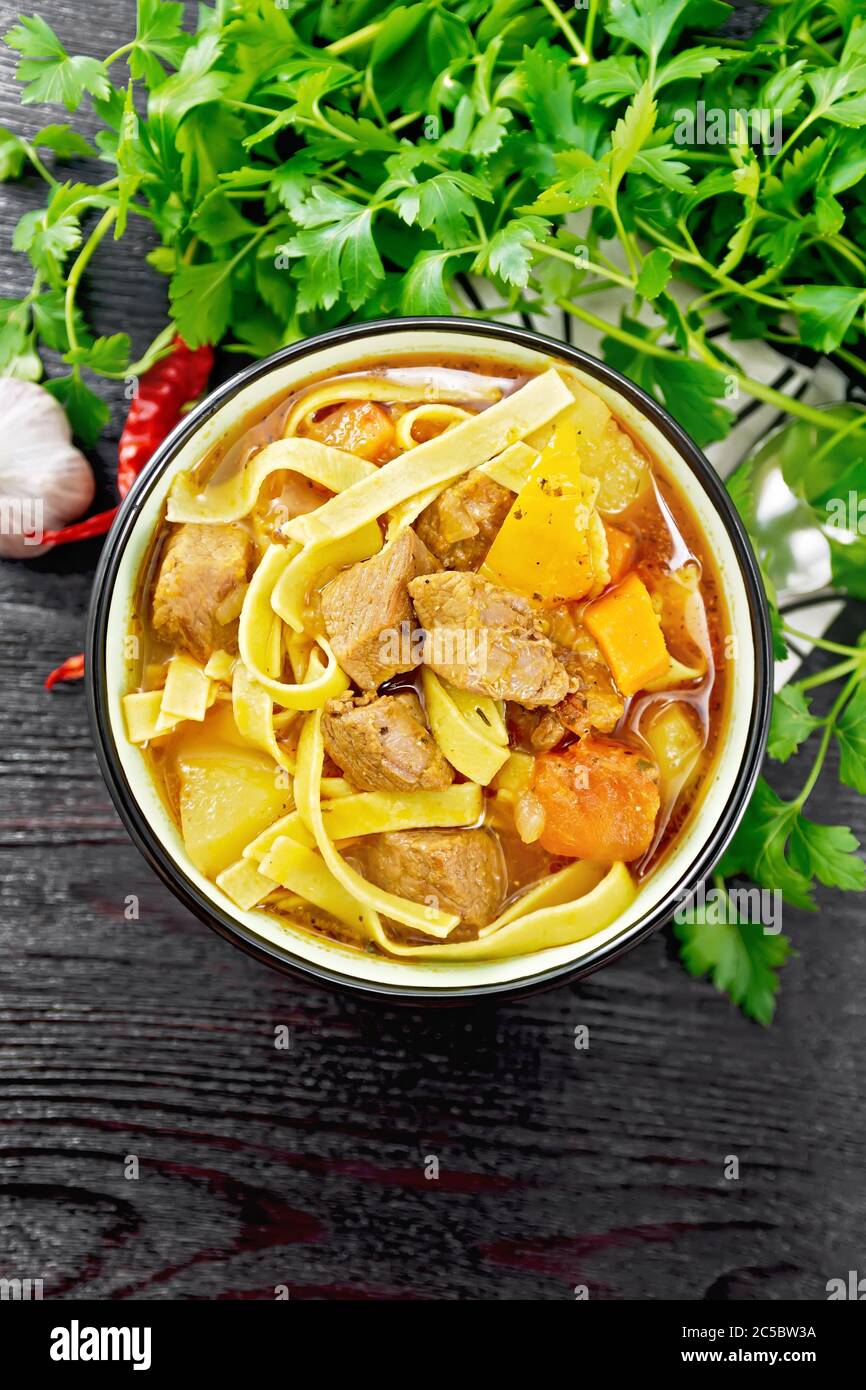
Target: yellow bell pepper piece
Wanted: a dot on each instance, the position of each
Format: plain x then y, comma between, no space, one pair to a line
543,548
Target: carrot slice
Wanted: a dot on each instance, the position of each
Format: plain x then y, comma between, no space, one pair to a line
359,427
626,627
600,800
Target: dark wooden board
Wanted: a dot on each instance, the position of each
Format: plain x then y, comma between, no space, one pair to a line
306,1167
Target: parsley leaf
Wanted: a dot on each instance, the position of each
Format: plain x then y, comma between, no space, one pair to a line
826,312
851,736
760,848
655,273
424,287
827,852
65,142
88,415
791,723
48,71
109,356
740,958
158,36
340,255
201,300
13,155
509,253
550,92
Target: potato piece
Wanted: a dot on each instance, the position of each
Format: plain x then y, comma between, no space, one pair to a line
626,627
516,774
187,689
226,799
618,464
676,742
589,415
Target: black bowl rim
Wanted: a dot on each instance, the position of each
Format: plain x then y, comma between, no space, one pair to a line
283,959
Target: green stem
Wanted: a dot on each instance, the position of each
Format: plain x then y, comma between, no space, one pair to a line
589,31
831,673
118,53
841,245
270,111
36,161
850,427
356,40
580,263
823,643
370,93
624,237
844,695
562,23
78,269
160,345
679,252
611,330
789,404
792,139
725,282
510,194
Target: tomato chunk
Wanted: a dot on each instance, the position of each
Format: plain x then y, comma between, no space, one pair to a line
359,427
600,801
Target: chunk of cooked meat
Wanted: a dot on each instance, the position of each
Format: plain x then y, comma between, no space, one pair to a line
461,525
381,743
359,427
282,496
535,729
367,613
202,567
460,871
485,639
596,703
549,730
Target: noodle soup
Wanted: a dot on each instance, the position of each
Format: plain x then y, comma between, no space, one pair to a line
433,661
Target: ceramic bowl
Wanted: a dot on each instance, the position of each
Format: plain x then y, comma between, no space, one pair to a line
730,781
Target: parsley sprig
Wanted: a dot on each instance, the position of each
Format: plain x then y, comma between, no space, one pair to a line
776,845
304,163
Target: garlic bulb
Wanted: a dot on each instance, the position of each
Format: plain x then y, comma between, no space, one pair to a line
45,482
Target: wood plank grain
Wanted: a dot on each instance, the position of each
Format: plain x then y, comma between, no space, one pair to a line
307,1167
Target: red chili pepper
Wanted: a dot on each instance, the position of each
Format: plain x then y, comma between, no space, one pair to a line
82,530
72,669
163,391
158,405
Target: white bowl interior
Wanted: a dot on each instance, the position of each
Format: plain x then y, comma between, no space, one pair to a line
442,975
